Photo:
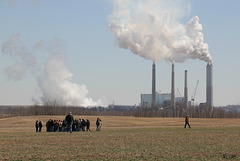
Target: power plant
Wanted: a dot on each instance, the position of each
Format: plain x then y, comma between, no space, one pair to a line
153,85
209,90
173,105
185,91
169,100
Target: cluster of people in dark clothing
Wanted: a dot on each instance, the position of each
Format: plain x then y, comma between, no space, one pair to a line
63,126
69,124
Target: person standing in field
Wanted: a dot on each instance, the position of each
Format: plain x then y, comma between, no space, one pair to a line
69,119
83,124
187,121
88,125
98,124
40,126
48,125
36,125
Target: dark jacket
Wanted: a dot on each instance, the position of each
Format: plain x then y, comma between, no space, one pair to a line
88,123
187,119
36,124
40,124
98,122
69,119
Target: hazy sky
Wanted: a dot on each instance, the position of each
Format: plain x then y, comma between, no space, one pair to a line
94,61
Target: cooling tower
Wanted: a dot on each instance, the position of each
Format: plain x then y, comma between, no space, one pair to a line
153,85
185,91
209,96
173,91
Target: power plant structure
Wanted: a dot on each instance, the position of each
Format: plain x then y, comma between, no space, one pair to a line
185,91
170,101
173,105
209,90
153,85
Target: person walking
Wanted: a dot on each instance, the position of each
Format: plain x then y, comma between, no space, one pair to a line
187,121
36,125
69,119
40,126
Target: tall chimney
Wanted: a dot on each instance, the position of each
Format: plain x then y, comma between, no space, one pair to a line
185,91
153,85
173,91
209,96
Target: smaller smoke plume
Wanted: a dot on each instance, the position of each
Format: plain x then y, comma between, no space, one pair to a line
18,50
54,78
57,87
16,71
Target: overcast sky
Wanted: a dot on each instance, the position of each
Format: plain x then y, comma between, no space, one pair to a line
109,73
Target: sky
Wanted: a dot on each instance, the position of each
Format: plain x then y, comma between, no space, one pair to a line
65,50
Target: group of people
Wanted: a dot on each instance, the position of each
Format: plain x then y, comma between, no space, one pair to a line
69,124
38,126
76,125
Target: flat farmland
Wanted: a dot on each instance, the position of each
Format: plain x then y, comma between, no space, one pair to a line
122,138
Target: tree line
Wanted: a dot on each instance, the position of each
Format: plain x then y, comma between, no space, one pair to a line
114,110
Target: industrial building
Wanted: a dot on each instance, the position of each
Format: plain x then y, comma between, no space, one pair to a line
159,99
146,99
209,86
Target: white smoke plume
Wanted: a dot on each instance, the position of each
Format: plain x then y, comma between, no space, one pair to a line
152,30
16,71
54,78
57,87
25,59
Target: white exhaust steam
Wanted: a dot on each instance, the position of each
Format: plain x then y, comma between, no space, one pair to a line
152,30
57,87
54,78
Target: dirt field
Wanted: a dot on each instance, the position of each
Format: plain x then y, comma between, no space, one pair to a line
122,138
26,124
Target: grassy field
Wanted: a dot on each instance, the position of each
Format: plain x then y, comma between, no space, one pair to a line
123,138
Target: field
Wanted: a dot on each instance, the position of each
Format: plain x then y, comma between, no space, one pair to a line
123,138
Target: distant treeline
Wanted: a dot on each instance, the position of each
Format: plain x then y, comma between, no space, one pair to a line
194,112
12,111
231,111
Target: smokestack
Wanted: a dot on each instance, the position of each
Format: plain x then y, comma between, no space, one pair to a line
209,96
153,85
185,91
173,90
